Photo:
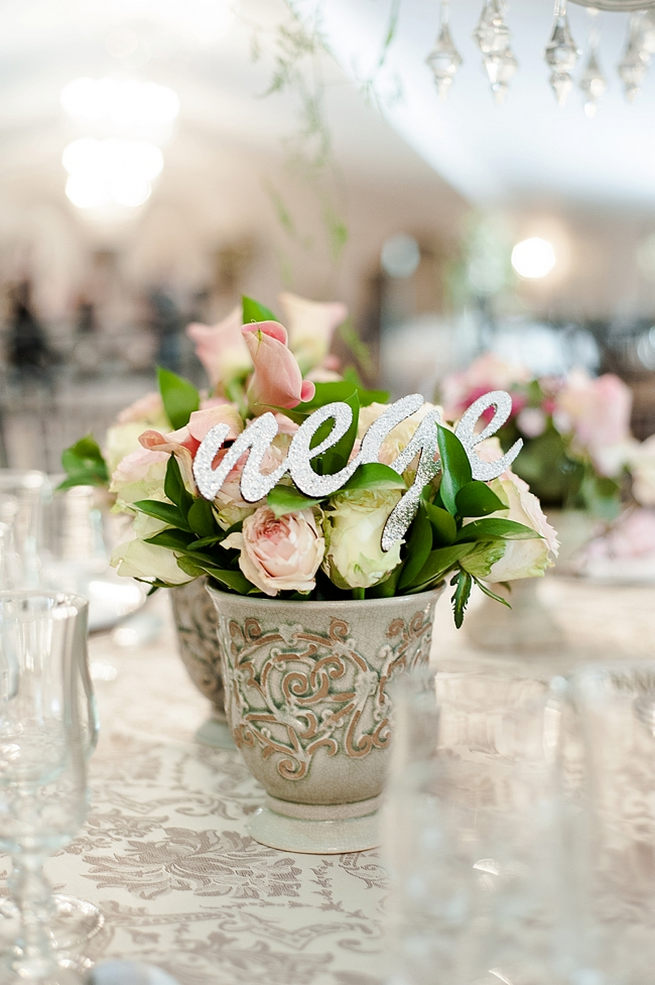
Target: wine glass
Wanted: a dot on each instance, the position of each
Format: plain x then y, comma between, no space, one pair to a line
614,709
36,528
470,828
47,725
24,495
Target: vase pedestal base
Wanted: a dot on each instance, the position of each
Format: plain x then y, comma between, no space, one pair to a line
316,829
215,732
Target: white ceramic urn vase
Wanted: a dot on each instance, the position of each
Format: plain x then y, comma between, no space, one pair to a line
308,703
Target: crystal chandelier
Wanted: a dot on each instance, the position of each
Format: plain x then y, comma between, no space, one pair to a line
561,53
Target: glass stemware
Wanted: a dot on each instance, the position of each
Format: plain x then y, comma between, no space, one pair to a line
470,830
613,706
47,725
24,495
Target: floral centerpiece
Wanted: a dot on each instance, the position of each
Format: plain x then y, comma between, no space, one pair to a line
288,545
575,429
578,450
277,487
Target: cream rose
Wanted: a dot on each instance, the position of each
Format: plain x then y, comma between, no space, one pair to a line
279,554
641,462
135,558
353,528
523,558
140,475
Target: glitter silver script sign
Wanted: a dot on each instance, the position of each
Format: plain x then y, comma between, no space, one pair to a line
257,437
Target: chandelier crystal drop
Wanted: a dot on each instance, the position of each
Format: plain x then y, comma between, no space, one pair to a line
493,39
561,54
592,82
634,62
444,59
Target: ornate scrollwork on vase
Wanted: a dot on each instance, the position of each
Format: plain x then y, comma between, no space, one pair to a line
294,690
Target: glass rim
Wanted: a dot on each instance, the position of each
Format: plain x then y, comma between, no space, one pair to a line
78,602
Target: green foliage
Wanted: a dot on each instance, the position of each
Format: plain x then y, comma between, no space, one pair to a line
180,397
455,468
253,311
289,499
374,475
455,534
84,464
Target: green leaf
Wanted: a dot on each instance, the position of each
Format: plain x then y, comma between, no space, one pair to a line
174,486
174,540
233,580
477,499
485,554
492,595
84,464
190,567
180,397
460,598
366,396
201,518
288,499
455,467
335,458
253,311
439,563
442,522
493,527
375,475
167,512
82,477
419,545
211,541
387,588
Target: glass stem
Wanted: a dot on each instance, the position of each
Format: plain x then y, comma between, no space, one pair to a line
35,958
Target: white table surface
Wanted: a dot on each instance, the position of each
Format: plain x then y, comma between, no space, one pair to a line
165,851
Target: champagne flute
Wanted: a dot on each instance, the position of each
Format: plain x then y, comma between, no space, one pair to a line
46,724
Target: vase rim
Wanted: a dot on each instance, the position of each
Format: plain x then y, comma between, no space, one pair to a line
261,602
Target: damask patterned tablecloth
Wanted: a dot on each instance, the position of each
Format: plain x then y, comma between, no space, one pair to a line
165,851
166,855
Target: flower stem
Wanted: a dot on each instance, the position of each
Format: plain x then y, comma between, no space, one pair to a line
358,593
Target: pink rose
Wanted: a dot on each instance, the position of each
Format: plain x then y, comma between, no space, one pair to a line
277,380
220,348
148,409
184,442
311,327
229,505
488,372
279,553
596,412
632,536
140,475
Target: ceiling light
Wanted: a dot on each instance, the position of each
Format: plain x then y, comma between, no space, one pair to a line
121,106
112,172
533,258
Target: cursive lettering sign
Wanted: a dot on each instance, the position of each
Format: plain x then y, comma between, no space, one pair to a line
257,437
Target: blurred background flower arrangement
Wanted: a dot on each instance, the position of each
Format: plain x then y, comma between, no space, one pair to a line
289,545
595,480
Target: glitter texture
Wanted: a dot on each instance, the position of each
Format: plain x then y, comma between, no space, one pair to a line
465,431
300,454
